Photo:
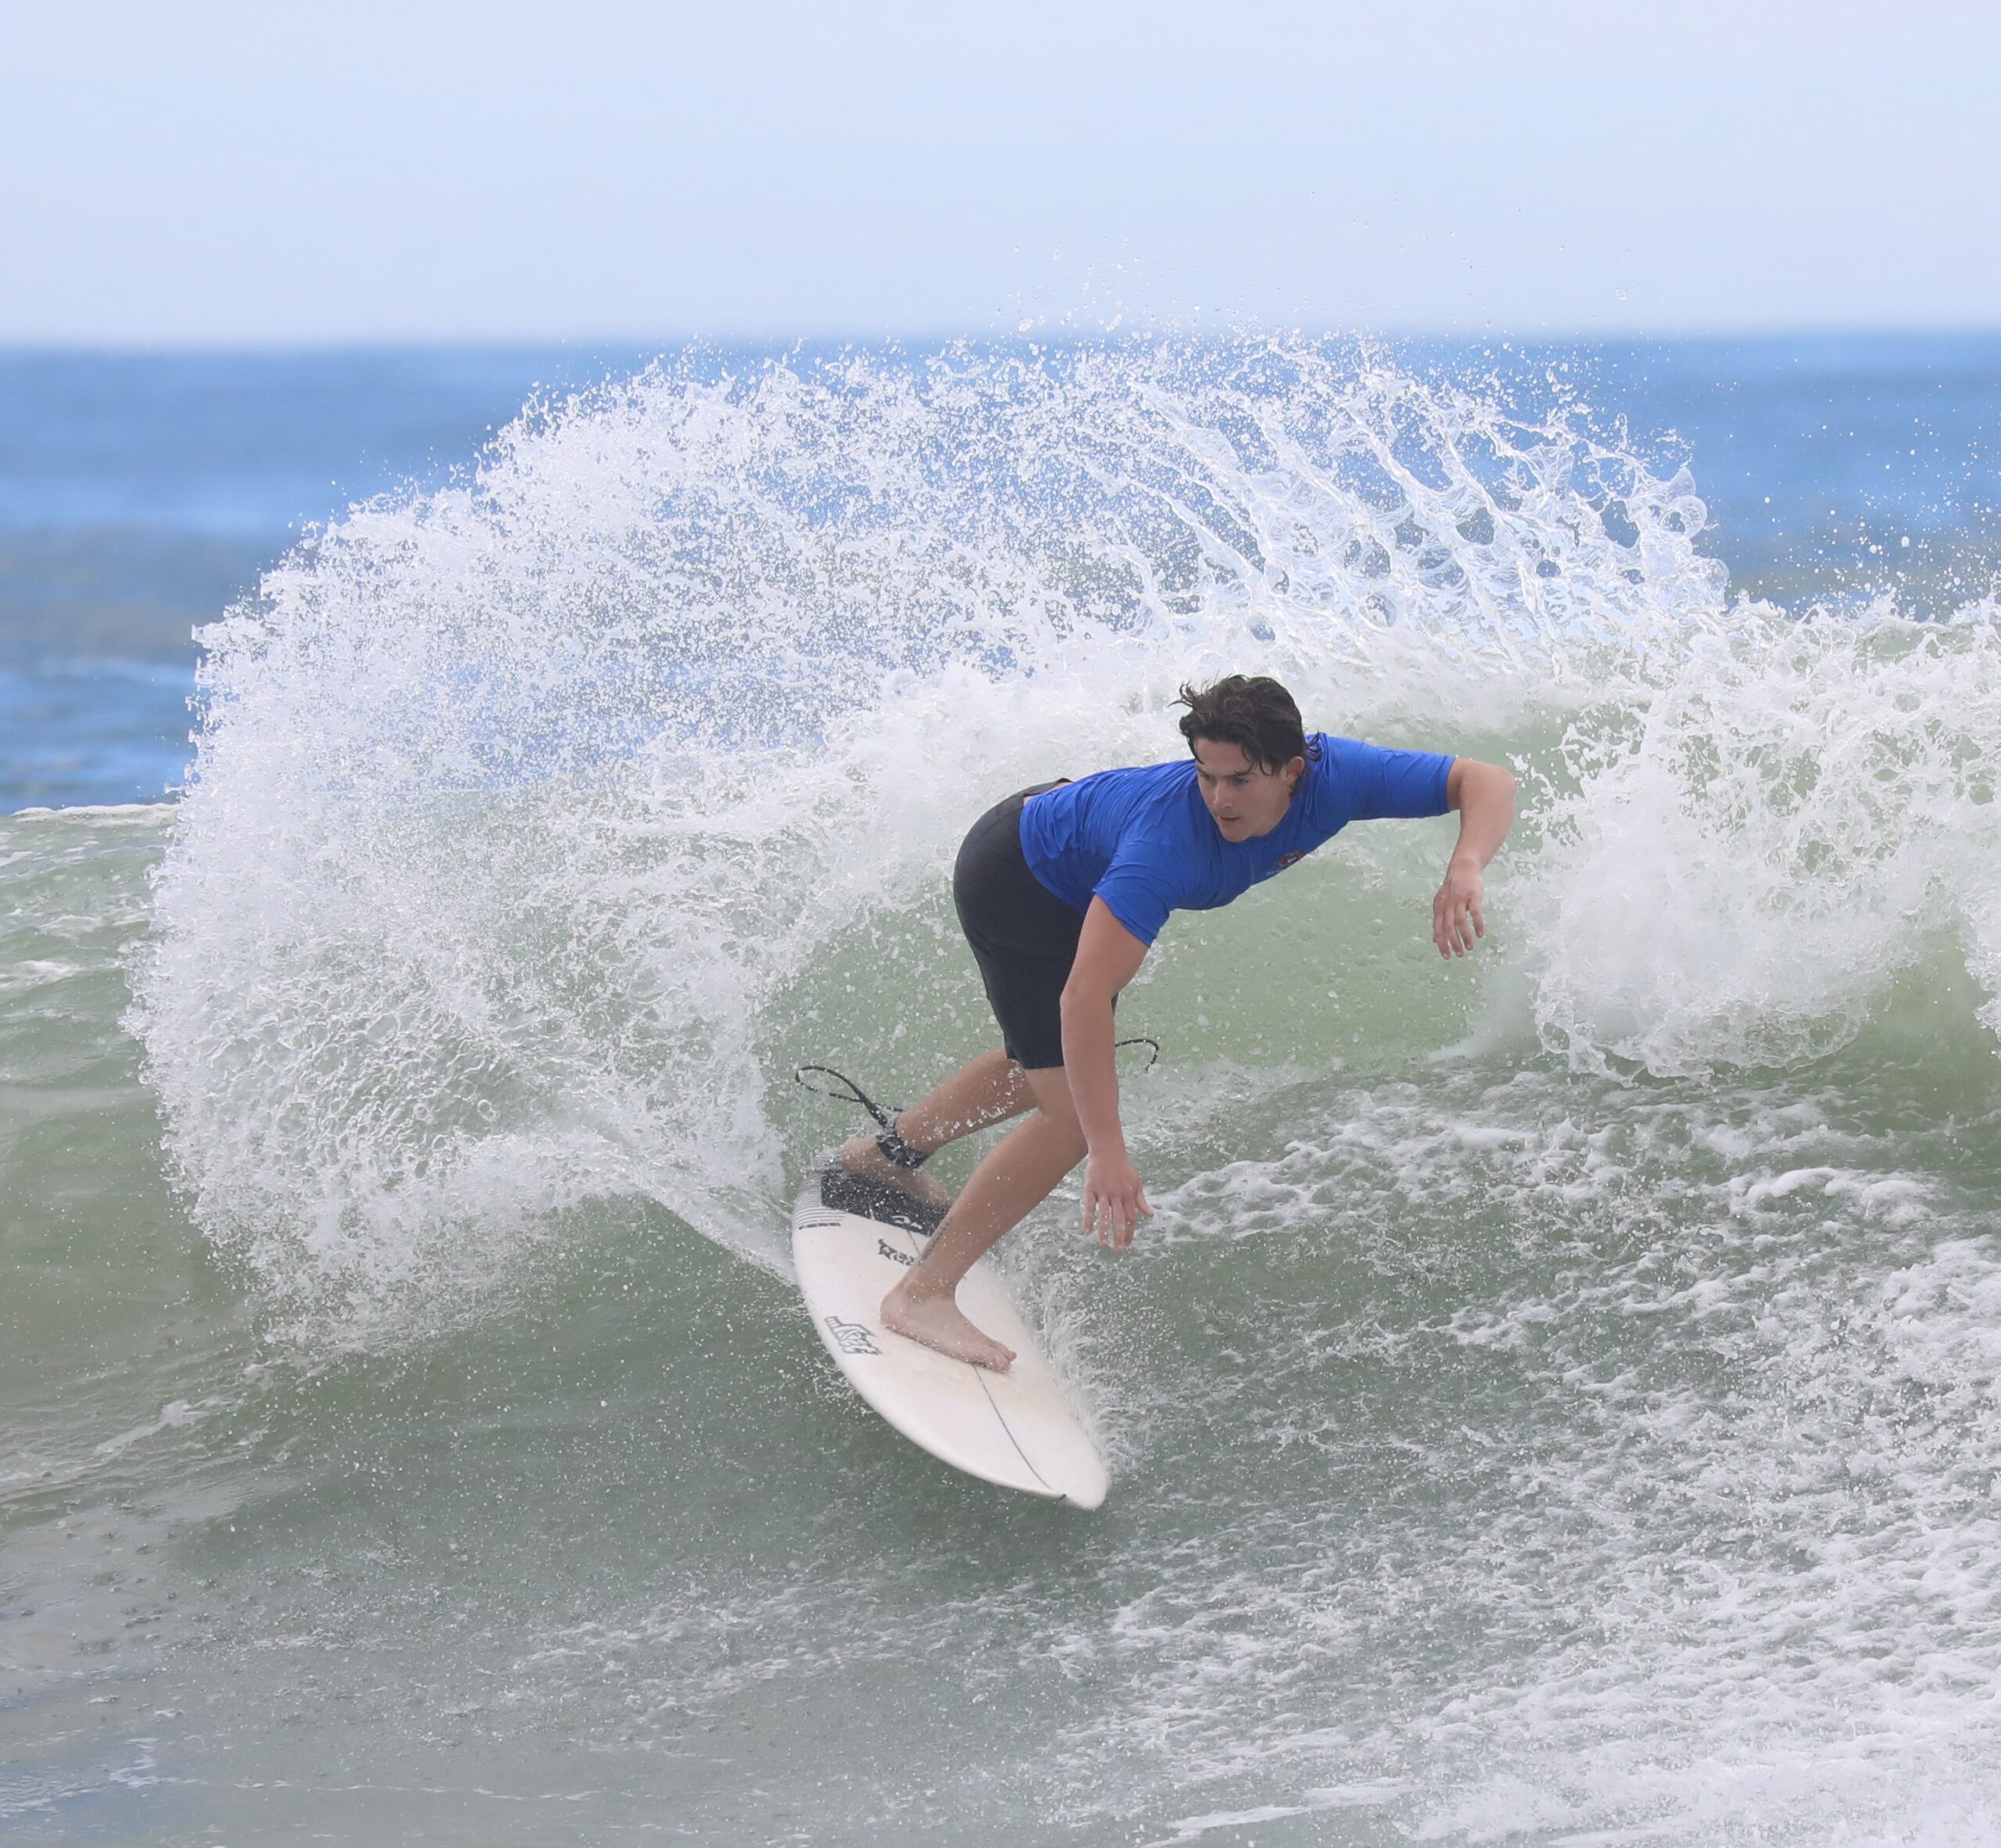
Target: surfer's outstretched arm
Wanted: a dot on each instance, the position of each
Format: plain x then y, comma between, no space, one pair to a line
1484,796
1109,956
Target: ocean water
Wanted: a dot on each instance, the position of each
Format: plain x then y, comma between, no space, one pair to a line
1557,1398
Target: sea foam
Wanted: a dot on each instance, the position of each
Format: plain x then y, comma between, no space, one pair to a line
541,823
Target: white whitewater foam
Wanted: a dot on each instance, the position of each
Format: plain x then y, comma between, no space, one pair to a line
526,813
1785,814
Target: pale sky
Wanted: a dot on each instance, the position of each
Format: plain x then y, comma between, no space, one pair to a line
215,173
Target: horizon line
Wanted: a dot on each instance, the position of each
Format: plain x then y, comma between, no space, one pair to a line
1053,335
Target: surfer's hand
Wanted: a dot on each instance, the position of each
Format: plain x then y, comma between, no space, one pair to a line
1115,1202
1456,919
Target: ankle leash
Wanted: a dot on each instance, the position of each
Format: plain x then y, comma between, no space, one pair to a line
894,1148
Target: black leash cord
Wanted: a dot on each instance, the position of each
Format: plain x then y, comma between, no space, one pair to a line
1141,1040
886,1119
855,1094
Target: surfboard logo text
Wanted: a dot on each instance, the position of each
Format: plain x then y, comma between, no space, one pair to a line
852,1337
890,1250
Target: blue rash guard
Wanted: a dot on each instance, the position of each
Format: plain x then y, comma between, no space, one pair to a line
1142,839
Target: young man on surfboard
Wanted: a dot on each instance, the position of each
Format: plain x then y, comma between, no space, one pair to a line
1061,890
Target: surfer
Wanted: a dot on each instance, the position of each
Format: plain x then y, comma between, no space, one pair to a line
1060,891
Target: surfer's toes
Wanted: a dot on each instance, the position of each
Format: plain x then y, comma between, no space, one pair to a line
937,1322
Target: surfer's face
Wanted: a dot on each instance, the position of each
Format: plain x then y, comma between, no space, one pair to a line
1245,800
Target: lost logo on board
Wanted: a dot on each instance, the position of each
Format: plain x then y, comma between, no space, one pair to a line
852,1337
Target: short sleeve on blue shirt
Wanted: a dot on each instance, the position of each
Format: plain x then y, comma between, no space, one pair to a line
1374,783
1136,889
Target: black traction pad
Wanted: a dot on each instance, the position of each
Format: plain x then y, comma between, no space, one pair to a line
843,1192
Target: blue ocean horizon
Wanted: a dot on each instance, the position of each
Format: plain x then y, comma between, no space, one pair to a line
142,494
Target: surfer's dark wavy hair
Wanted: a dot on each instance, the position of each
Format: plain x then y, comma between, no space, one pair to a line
1257,716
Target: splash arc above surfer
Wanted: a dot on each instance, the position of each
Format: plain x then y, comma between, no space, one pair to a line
1060,891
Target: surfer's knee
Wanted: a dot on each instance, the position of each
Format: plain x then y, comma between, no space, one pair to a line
1068,1134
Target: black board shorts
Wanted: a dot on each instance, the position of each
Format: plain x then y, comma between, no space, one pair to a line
1023,936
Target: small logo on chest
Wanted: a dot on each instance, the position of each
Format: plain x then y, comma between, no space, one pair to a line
1292,858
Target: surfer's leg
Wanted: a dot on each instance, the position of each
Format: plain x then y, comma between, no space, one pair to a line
1014,1177
1023,937
989,1090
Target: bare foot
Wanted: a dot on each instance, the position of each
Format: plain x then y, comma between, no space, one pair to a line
936,1321
861,1157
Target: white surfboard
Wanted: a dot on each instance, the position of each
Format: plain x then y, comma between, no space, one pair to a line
1014,1429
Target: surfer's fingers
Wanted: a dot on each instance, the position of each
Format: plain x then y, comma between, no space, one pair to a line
1442,922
